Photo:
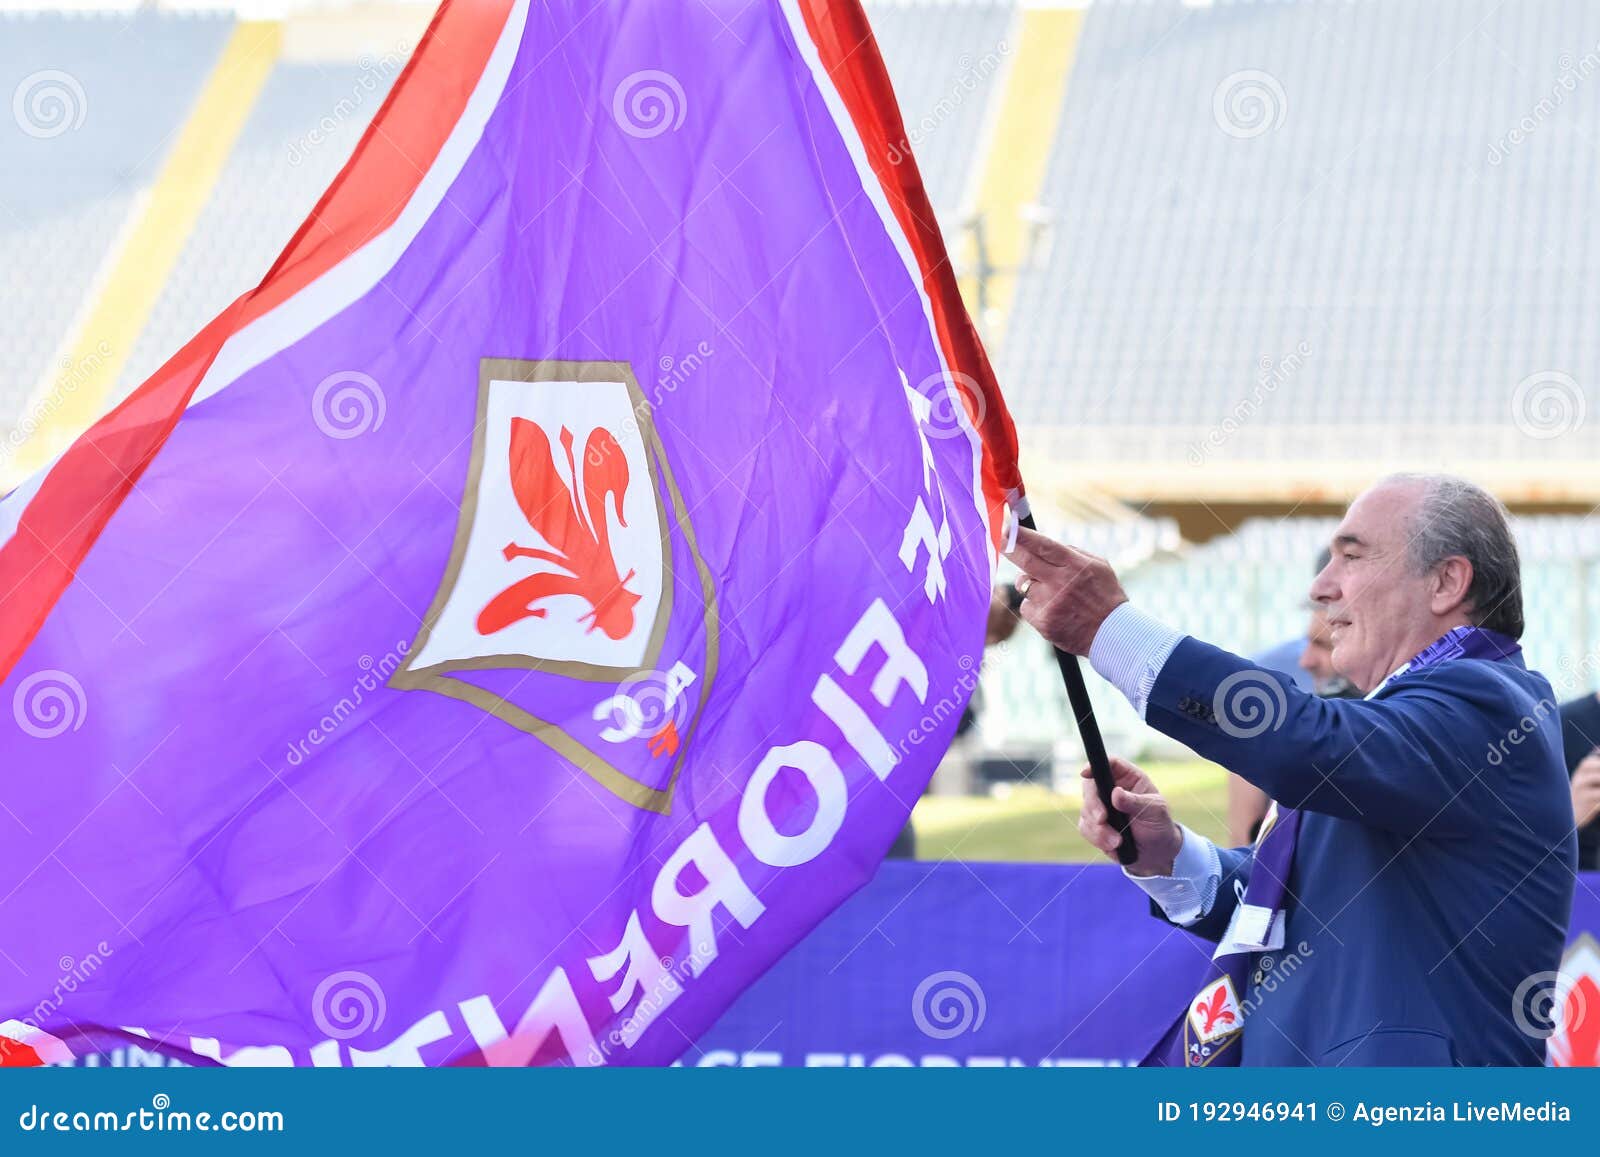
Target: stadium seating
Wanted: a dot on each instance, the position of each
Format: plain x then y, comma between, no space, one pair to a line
309,118
945,60
94,99
1231,181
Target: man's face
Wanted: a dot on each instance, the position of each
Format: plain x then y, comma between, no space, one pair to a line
1317,658
1379,611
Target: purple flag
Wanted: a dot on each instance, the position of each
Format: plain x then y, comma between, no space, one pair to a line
502,634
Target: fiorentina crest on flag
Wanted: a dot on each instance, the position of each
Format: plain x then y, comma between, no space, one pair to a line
572,534
502,634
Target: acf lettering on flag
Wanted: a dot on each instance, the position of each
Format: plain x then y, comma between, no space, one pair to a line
503,633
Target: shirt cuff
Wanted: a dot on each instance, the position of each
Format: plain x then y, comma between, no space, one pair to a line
1129,650
1189,892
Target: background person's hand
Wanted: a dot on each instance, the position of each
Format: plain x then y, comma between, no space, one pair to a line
1154,830
1586,789
1067,592
1002,619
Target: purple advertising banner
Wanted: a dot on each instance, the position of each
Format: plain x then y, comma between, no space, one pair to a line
953,964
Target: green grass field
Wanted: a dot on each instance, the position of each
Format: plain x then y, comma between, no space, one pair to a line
1034,824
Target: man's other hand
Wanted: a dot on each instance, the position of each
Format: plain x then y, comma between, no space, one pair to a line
1154,830
1067,593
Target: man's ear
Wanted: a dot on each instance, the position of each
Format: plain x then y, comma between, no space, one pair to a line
1452,580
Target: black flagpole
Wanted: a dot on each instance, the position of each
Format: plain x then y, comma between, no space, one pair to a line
1094,746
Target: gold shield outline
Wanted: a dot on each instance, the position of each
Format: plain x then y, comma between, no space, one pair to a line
437,677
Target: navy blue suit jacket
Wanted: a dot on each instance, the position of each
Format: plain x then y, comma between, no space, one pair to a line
1435,863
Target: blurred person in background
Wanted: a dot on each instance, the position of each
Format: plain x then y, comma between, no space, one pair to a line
1580,741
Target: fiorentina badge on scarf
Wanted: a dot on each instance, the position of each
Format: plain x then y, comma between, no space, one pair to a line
504,632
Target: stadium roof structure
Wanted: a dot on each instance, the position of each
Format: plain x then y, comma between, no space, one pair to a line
1293,246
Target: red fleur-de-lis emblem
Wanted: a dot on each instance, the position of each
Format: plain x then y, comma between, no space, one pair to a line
575,527
1215,1010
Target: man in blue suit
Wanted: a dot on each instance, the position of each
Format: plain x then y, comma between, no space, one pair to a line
1419,876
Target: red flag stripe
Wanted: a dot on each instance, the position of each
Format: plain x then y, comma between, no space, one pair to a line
849,52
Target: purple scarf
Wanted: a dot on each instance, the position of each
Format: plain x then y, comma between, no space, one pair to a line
1210,1031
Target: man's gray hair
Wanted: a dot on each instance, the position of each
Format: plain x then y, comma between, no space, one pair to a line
1456,517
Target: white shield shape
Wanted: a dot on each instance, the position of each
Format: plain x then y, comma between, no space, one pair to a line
560,563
